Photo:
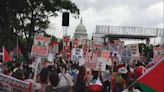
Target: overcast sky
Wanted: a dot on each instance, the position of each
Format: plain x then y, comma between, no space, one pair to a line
139,13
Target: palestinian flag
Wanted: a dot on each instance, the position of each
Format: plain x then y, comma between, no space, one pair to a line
6,56
20,55
153,80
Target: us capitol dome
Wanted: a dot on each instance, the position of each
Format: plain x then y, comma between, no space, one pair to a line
81,32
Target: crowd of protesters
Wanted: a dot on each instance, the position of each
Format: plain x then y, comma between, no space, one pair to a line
68,76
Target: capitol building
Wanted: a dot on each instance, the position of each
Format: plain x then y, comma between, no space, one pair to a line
81,32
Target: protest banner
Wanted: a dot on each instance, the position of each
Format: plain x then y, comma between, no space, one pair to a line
10,84
88,61
101,64
75,42
126,55
158,53
105,54
66,46
54,47
134,50
66,43
98,48
135,55
94,56
40,47
115,47
77,53
85,46
110,56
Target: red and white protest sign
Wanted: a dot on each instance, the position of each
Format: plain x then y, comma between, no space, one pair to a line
98,48
75,42
66,43
105,54
94,56
40,47
158,54
54,47
10,84
88,61
85,46
66,46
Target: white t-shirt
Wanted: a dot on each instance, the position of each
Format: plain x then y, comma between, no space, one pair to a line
63,80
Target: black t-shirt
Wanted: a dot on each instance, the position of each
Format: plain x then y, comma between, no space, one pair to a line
58,89
80,86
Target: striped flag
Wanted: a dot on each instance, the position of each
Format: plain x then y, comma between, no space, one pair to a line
6,56
153,80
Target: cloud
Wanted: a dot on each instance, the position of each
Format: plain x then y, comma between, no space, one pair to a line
141,13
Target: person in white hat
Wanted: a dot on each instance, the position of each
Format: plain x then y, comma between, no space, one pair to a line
118,82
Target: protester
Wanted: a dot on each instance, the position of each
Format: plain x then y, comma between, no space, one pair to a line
118,83
18,72
73,72
43,79
54,83
53,80
130,76
64,78
140,69
80,85
106,78
70,76
95,84
95,78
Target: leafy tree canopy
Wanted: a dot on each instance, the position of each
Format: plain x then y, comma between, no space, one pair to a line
25,18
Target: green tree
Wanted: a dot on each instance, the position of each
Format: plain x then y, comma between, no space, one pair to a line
35,17
28,17
146,51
